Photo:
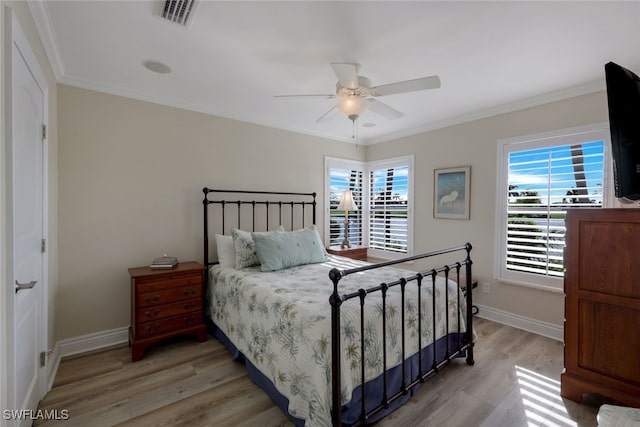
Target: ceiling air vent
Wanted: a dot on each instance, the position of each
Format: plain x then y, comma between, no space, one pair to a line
178,11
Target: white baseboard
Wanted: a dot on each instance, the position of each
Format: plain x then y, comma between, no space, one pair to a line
84,344
549,330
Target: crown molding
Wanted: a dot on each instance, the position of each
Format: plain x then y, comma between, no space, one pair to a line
522,104
534,101
42,19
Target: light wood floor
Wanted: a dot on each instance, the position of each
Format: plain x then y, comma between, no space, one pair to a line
515,382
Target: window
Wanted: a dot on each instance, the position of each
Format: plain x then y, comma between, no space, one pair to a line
383,192
539,178
388,208
345,177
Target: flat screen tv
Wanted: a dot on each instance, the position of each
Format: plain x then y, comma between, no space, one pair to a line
623,97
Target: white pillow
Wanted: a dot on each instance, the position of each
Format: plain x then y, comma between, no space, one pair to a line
226,251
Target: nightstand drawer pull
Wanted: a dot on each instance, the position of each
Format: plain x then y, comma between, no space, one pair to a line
149,314
154,299
149,328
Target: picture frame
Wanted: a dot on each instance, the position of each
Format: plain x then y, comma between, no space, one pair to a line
452,192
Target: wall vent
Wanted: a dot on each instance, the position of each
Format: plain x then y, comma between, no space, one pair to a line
178,11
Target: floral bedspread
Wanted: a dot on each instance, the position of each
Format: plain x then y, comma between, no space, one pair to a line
281,322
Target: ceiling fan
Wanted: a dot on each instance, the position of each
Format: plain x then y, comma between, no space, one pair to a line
355,93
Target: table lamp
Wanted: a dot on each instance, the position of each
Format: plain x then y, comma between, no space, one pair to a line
346,204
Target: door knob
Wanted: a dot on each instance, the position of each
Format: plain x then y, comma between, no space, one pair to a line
21,286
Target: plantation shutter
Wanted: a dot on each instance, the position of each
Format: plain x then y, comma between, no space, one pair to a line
388,209
340,180
542,184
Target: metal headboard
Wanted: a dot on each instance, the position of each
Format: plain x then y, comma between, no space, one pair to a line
239,199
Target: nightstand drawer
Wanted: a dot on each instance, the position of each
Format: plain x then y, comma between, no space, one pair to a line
168,310
168,296
167,282
169,324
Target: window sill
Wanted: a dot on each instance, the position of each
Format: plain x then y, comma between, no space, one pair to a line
546,288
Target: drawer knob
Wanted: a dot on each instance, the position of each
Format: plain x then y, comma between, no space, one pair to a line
154,299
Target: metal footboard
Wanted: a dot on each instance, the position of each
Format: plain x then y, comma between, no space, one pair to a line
463,347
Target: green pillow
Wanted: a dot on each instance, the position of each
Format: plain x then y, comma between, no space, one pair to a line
283,250
245,248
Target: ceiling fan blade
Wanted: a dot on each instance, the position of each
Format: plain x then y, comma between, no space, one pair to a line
432,82
347,74
383,109
327,116
325,96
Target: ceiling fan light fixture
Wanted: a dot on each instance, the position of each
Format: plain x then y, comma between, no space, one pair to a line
352,106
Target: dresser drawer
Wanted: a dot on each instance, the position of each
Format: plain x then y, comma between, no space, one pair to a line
168,310
168,296
169,324
167,282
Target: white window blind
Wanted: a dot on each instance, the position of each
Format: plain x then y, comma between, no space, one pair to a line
341,179
382,191
388,209
540,180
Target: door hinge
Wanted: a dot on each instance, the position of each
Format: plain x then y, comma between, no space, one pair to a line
44,132
43,357
43,245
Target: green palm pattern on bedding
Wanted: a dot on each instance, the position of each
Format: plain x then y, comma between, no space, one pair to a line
281,322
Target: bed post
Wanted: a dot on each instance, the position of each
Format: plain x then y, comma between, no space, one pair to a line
469,297
336,388
205,205
314,207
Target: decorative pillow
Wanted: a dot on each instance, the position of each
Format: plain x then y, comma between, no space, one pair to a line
245,248
290,248
226,250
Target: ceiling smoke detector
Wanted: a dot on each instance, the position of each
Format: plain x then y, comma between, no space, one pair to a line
178,11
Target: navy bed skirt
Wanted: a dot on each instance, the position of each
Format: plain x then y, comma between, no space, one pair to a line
373,389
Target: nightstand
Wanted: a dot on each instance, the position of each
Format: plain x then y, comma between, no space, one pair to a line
354,252
165,303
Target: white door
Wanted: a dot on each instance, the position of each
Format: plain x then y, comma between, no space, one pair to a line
27,111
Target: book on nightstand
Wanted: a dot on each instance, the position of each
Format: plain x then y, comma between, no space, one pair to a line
164,262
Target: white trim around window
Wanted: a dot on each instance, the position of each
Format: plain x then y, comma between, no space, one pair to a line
504,198
404,163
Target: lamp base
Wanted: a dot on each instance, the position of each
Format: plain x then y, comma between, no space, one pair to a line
345,243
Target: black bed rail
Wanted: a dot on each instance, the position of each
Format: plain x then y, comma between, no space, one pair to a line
464,347
239,204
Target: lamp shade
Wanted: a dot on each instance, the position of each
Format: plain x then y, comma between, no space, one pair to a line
353,106
346,202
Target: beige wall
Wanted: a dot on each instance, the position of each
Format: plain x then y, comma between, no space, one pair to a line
22,13
131,175
474,144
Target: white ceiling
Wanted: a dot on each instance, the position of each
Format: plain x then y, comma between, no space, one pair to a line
492,57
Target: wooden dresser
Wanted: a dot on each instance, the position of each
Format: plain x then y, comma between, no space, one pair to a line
165,303
602,305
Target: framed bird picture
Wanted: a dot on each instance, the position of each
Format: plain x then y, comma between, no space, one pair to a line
451,194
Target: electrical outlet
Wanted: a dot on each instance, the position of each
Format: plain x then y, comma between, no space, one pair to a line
486,288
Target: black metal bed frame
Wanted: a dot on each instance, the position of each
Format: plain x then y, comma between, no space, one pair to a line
336,299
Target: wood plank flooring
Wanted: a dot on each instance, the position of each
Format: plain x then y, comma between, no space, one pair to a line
515,382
